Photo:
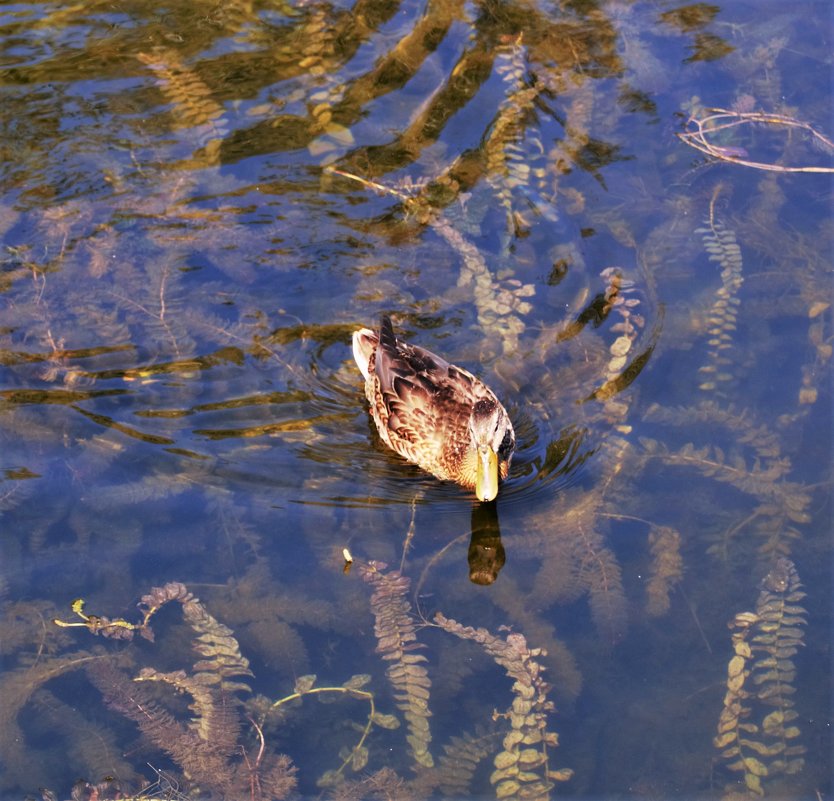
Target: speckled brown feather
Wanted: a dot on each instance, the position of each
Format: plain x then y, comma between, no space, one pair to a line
421,404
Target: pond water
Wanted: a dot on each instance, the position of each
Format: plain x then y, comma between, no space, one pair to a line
202,201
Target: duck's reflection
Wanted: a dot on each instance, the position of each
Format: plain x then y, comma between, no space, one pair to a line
486,552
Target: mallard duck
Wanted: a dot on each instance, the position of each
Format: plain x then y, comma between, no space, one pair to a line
435,414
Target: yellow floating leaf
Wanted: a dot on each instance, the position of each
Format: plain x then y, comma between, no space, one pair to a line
504,773
754,766
512,739
762,748
616,363
774,720
817,308
507,788
522,706
791,732
524,691
727,722
519,721
561,775
505,759
736,666
531,757
742,648
744,620
620,347
753,783
528,776
735,683
724,739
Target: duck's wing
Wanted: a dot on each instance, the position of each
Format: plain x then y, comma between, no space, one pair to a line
427,400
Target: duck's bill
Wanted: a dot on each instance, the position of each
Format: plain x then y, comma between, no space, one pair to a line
486,477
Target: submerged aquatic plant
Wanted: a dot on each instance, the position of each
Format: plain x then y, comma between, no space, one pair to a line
208,749
758,735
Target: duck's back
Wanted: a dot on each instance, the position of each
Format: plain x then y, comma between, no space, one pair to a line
420,403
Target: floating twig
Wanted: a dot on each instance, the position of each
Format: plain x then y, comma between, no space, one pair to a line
698,131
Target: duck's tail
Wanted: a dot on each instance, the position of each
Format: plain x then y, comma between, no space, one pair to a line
364,344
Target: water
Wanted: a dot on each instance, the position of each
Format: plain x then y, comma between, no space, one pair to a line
200,204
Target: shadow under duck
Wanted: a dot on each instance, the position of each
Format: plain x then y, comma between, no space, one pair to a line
434,414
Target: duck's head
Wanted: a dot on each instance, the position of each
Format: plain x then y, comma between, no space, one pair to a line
492,436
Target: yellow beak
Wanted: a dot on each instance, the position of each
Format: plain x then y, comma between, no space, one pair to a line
486,476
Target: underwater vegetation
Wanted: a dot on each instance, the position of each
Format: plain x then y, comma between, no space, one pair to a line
201,206
757,731
211,756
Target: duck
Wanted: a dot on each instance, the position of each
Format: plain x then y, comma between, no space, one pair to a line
434,414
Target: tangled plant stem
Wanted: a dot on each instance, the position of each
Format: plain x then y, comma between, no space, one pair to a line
348,691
